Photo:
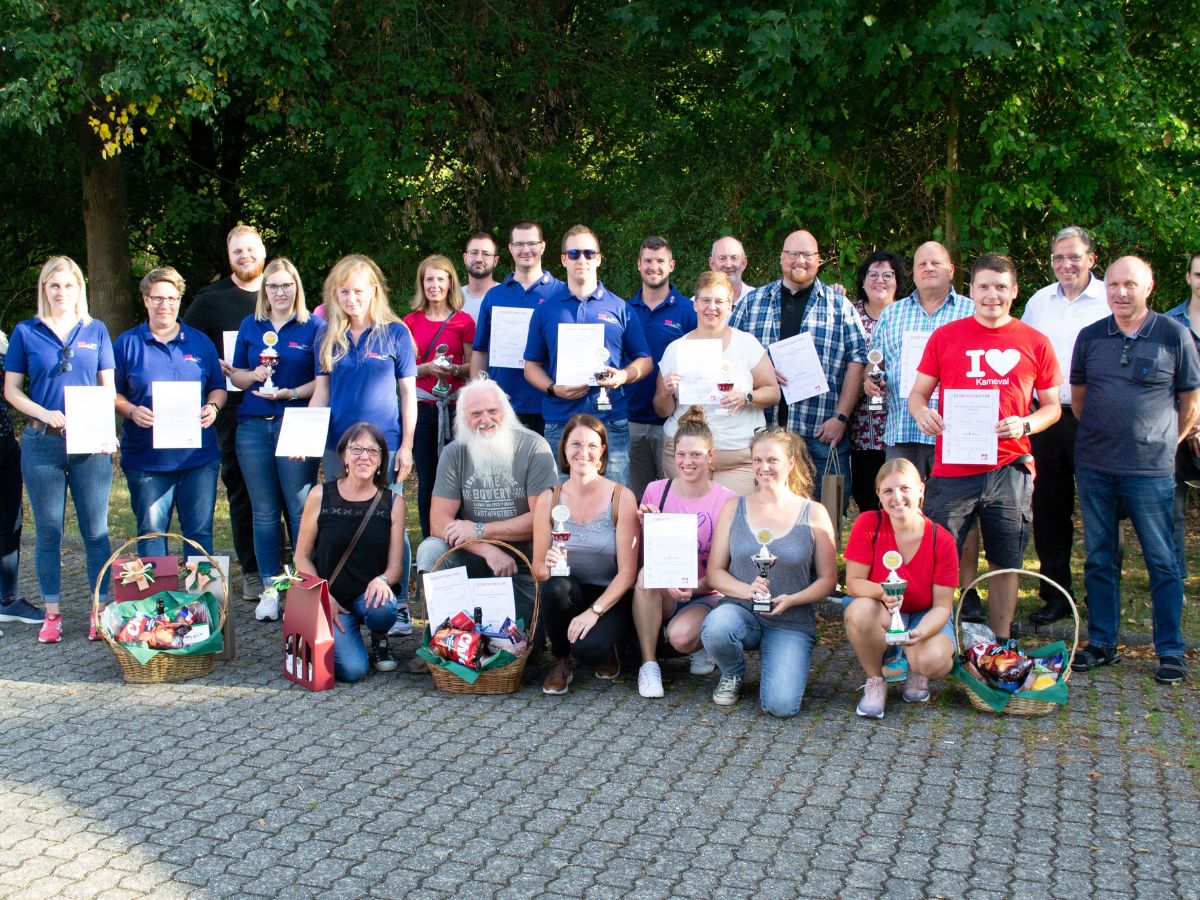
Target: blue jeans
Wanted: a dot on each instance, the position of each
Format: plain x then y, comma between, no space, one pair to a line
192,493
820,454
10,516
785,655
618,448
351,662
1147,500
48,471
276,484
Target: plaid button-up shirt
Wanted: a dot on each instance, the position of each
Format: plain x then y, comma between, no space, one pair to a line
896,319
837,335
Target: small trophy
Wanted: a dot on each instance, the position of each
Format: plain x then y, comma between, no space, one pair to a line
875,357
269,359
763,560
442,363
893,588
602,401
725,382
559,535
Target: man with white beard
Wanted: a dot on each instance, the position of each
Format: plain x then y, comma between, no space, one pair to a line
487,480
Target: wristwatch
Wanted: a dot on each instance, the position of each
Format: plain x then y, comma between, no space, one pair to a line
597,609
842,417
479,530
749,398
1027,427
550,389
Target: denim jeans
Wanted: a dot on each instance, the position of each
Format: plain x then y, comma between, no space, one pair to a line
618,448
192,493
1147,500
276,484
820,454
240,517
48,472
10,515
785,655
351,662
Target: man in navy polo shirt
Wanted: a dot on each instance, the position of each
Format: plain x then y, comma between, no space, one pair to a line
585,301
666,315
524,289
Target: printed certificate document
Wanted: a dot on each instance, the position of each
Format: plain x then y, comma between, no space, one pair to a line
303,431
912,348
796,357
230,339
449,592
580,351
176,406
91,418
699,371
510,333
970,436
672,550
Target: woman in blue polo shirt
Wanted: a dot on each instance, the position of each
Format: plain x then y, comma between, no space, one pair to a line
276,483
185,479
367,371
62,345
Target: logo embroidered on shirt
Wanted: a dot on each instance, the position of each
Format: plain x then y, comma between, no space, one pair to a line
86,345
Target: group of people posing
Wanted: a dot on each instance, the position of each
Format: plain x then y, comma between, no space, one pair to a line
1092,388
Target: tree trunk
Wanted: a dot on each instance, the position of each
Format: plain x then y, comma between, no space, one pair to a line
111,292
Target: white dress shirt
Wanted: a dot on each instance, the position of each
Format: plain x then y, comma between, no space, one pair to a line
1061,320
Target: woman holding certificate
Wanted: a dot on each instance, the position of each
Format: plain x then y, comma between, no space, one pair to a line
729,374
692,493
765,551
898,538
165,372
443,334
366,372
585,537
273,363
61,346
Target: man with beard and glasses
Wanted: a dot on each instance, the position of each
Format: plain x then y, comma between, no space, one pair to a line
479,258
217,308
485,481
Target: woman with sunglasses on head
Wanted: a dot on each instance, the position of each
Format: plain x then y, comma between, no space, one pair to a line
796,531
437,319
277,484
352,535
61,346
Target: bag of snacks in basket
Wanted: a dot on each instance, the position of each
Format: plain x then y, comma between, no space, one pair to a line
168,622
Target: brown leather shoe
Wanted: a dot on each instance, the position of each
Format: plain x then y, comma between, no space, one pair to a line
558,676
611,667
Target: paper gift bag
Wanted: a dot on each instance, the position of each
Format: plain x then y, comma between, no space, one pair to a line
198,577
308,634
137,578
833,494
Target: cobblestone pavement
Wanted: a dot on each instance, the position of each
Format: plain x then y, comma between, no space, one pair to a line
241,784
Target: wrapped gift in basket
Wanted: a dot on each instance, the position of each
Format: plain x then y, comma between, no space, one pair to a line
168,635
1009,682
465,658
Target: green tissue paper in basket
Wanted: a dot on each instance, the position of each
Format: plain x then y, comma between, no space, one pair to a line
466,673
997,700
173,601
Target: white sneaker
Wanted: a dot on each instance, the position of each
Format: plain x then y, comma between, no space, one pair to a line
650,680
727,691
403,624
874,698
268,606
702,663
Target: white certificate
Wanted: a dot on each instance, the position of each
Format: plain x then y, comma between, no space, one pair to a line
449,592
176,406
230,342
90,411
510,334
970,437
796,357
579,348
699,372
672,550
303,431
912,348
495,597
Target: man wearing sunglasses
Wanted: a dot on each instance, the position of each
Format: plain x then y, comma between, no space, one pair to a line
585,301
1135,389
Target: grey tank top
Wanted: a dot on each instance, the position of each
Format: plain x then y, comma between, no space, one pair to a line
592,549
793,571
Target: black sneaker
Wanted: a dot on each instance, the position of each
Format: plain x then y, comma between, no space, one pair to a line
1171,670
384,661
972,608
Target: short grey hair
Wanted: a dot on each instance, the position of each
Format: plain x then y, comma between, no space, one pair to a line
1073,231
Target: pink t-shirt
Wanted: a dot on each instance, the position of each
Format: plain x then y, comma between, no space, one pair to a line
706,510
458,333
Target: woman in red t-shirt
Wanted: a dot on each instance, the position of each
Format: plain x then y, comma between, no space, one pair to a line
437,319
930,566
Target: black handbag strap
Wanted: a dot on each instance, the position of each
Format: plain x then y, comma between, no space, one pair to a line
662,502
362,526
438,334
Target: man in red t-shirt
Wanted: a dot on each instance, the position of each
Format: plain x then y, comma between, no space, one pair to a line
988,366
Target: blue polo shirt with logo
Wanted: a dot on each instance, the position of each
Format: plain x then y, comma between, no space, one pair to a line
525,398
362,385
141,360
667,322
623,339
36,352
296,365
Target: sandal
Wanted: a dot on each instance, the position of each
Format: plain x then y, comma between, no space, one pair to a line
1093,657
1171,670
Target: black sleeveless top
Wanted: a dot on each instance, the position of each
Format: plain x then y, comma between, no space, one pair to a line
336,524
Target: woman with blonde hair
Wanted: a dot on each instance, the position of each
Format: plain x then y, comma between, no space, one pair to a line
276,484
366,372
59,347
437,320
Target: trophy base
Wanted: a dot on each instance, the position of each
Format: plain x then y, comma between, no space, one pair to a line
762,606
560,571
896,637
268,390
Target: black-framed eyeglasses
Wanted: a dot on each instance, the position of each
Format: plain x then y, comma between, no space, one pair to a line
589,253
1126,346
369,452
65,355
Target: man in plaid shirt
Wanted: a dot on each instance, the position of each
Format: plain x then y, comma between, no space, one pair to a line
797,302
